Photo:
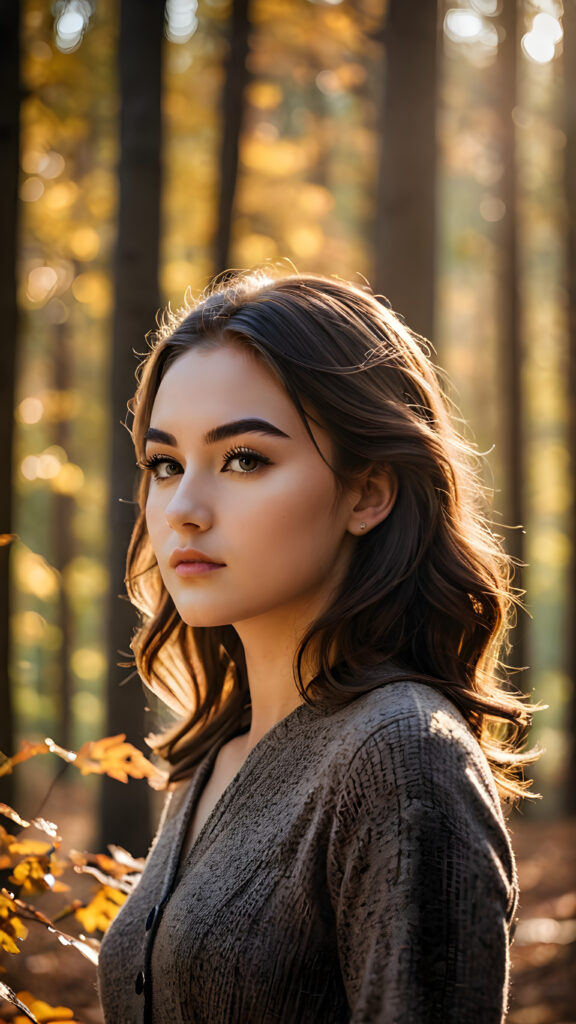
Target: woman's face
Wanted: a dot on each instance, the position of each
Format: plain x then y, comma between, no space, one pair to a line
244,516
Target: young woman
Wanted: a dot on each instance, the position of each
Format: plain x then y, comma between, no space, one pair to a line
323,607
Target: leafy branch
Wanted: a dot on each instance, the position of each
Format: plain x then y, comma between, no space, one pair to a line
35,865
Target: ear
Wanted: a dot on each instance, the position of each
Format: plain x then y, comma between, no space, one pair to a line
375,500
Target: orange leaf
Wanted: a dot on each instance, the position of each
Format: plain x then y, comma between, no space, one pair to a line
6,839
87,947
27,750
120,871
43,1012
114,757
31,847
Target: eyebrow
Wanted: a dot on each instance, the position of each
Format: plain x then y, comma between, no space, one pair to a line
221,433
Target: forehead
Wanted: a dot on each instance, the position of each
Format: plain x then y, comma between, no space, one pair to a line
218,382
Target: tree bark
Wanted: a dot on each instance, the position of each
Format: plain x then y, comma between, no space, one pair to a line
63,543
406,188
232,115
125,809
9,165
570,189
511,352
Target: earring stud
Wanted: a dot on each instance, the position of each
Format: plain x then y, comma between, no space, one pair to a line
362,526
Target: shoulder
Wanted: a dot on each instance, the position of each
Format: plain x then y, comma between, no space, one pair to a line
416,775
408,741
406,713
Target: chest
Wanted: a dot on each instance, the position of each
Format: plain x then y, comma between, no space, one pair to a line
251,913
246,914
226,767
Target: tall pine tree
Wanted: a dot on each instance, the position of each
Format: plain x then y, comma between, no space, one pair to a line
570,187
125,809
9,163
406,192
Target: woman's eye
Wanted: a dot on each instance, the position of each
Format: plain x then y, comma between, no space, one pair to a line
243,460
161,467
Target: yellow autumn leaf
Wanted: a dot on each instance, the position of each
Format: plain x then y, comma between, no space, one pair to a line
7,840
37,874
114,757
11,927
102,909
31,847
44,1013
26,751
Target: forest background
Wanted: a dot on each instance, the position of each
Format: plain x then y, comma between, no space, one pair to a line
428,147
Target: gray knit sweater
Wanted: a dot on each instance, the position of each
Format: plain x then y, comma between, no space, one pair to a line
357,869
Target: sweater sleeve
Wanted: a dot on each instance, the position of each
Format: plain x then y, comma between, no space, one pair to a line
422,878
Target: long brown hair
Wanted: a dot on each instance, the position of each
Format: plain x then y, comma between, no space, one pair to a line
429,589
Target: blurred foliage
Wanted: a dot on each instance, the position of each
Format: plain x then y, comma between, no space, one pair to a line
33,867
68,191
305,193
470,339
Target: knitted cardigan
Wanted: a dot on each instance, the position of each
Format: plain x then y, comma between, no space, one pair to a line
357,869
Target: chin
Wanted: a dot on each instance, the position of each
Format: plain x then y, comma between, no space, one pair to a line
205,621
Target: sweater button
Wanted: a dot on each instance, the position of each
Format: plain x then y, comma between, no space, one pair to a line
151,918
139,983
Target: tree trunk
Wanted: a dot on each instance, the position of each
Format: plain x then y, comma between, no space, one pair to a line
9,163
570,188
511,355
232,115
63,545
406,188
125,809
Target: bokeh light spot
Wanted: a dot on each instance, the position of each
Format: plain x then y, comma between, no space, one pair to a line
538,48
35,576
30,627
31,190
462,26
181,20
30,410
88,663
51,165
492,209
85,578
69,479
85,243
41,282
547,27
29,467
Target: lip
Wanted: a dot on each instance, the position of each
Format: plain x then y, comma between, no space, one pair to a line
190,562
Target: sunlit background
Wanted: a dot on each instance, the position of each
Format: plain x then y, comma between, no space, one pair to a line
305,190
304,94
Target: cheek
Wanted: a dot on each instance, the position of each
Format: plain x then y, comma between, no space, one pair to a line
155,522
297,521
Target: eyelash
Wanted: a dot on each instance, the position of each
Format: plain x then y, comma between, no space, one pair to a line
238,452
153,462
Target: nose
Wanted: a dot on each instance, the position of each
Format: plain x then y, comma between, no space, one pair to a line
188,508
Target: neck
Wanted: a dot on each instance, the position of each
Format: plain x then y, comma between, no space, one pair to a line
270,654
